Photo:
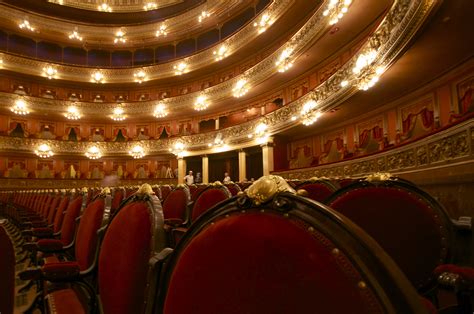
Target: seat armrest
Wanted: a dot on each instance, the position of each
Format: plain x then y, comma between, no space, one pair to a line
49,245
42,232
30,246
174,222
63,271
31,273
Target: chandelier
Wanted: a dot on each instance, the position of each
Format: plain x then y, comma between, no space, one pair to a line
97,77
20,107
50,72
284,61
161,31
26,25
364,60
72,113
308,114
44,151
140,76
180,68
75,35
150,6
203,15
260,133
178,149
137,152
240,88
118,114
104,7
263,24
120,37
93,152
220,53
201,103
369,78
160,111
336,10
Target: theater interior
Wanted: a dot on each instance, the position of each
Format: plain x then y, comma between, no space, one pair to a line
236,156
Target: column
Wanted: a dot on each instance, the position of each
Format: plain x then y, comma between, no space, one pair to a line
242,166
217,123
267,156
205,169
181,169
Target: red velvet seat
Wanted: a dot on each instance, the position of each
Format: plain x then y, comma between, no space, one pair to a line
208,198
409,224
165,191
195,190
118,195
281,253
175,205
132,248
233,188
318,189
7,271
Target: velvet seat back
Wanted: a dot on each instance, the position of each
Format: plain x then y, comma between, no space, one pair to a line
59,215
69,224
207,199
132,237
86,237
233,188
289,255
165,191
52,210
117,199
175,204
409,224
318,190
196,191
7,270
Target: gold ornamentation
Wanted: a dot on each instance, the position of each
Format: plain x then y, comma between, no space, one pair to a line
266,187
378,176
145,189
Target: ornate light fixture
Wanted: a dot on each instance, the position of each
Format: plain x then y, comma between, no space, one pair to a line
203,15
137,152
178,149
97,77
150,6
364,60
201,103
25,24
120,37
370,78
260,133
93,152
50,72
140,76
44,151
180,68
336,10
308,113
20,107
220,53
264,23
72,113
241,88
284,61
161,31
160,110
104,7
118,114
218,141
75,35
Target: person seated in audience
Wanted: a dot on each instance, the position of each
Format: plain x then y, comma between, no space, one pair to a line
189,178
198,178
226,178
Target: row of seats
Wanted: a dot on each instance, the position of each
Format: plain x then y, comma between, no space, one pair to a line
268,250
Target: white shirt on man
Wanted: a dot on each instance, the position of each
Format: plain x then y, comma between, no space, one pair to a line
189,179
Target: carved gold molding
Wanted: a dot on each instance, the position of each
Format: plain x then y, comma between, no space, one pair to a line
118,5
448,147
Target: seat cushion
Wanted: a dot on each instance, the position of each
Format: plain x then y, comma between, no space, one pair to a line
65,301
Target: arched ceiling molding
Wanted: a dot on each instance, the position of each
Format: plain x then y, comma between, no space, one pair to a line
118,6
161,71
402,21
310,32
102,36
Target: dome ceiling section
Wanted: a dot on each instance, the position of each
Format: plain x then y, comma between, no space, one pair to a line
102,36
315,28
118,5
244,37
